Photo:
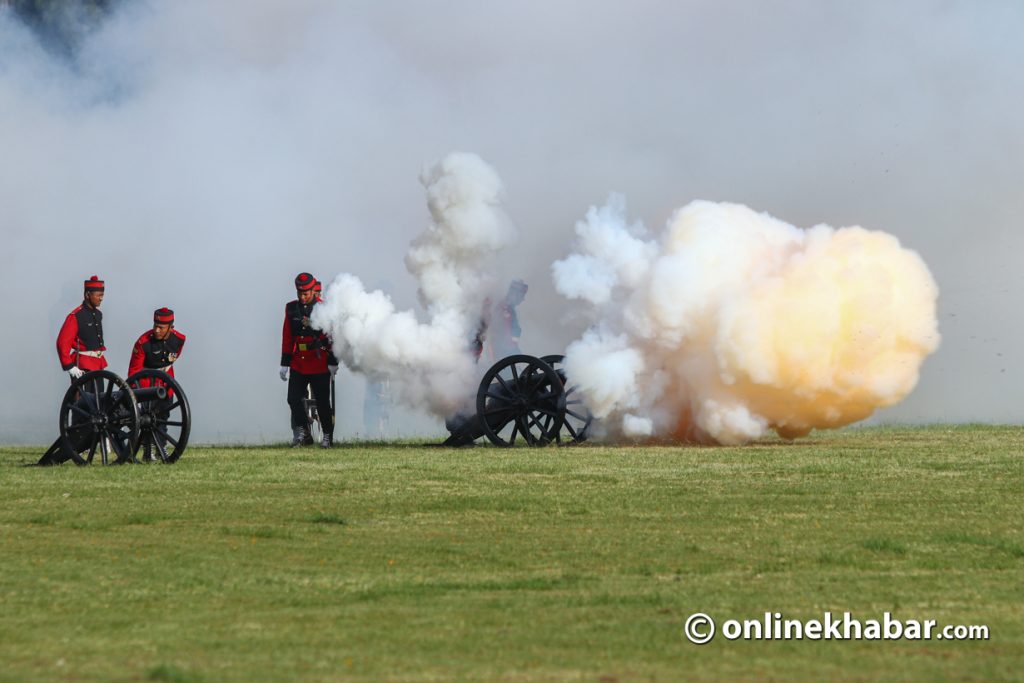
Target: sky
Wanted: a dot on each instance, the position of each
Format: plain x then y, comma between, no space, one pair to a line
199,154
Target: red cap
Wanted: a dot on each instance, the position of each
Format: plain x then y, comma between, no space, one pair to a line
318,287
163,316
94,284
304,282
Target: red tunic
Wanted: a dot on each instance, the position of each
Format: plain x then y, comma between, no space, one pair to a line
80,340
303,348
149,353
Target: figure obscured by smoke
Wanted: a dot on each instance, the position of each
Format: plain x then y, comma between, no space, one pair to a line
505,329
377,408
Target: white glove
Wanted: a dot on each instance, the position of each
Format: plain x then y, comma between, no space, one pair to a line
75,372
284,373
333,369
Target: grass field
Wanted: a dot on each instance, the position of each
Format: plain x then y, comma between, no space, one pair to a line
580,564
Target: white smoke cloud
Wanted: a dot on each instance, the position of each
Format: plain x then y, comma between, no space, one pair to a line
611,254
733,322
429,364
199,154
453,261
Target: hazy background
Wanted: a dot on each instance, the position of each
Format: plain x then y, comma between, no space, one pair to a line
199,153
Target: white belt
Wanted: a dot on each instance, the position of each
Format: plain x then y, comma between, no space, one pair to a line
94,354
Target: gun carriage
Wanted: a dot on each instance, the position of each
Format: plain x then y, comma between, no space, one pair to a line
523,399
102,413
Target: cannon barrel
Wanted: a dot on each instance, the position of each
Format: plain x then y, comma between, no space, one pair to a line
143,394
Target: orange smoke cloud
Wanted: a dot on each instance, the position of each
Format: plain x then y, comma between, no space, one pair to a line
731,323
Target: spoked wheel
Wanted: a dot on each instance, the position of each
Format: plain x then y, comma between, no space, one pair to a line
164,422
577,417
316,430
99,413
520,398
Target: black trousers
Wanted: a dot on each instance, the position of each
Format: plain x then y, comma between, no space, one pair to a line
321,383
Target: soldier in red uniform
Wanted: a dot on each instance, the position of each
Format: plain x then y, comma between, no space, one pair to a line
80,340
306,353
318,291
159,347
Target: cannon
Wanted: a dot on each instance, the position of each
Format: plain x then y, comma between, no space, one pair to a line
118,418
523,398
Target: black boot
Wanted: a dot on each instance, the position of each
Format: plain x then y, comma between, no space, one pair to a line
327,441
299,437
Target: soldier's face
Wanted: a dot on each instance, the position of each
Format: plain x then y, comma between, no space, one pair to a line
94,298
305,296
161,331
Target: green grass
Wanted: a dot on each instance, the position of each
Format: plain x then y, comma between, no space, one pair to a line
408,563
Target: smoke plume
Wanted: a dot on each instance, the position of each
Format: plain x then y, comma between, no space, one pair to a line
732,322
429,365
198,154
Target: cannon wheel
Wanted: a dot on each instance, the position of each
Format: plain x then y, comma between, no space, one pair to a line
99,411
520,396
316,428
162,422
577,417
